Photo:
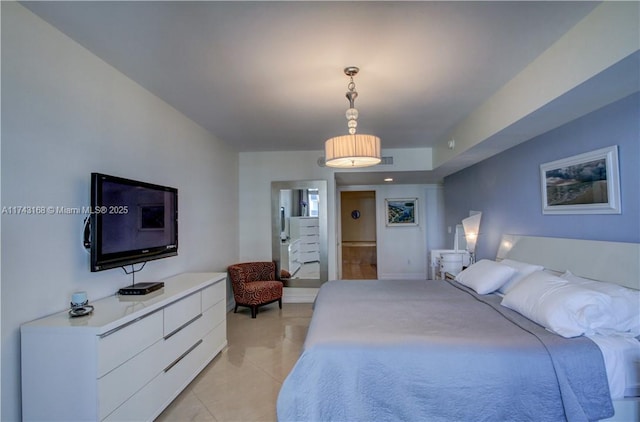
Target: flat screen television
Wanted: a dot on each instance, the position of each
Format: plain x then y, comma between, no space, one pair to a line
131,222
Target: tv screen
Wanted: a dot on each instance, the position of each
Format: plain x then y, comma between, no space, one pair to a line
131,222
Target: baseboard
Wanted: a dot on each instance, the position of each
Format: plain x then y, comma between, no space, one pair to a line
289,295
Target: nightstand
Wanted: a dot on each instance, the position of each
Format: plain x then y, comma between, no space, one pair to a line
439,267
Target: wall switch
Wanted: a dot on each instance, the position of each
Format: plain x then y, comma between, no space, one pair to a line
449,229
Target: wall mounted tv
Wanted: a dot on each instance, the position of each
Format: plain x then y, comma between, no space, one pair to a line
131,222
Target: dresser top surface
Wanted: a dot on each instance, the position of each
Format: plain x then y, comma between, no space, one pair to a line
116,310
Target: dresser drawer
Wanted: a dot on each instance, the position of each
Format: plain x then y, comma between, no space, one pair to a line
309,256
167,385
310,238
309,247
121,344
181,340
181,312
308,222
213,294
308,230
118,385
218,314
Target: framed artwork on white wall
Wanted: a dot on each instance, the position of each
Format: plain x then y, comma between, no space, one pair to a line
401,212
587,183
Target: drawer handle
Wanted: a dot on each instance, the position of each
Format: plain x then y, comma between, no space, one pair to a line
126,324
182,326
182,356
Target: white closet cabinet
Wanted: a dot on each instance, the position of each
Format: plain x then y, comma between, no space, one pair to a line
307,229
128,359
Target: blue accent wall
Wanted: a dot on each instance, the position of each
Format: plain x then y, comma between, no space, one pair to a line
506,187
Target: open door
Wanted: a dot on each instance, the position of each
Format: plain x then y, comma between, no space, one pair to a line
358,234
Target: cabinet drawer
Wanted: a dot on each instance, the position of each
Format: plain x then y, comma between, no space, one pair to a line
181,312
118,385
218,314
309,222
213,294
311,230
309,256
178,343
310,247
121,344
310,238
167,385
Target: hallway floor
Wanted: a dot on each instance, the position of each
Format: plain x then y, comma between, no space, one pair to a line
243,381
359,271
359,261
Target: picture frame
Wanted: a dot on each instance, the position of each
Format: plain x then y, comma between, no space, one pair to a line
401,212
586,183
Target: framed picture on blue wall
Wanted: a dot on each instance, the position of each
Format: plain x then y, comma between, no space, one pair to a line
587,183
401,212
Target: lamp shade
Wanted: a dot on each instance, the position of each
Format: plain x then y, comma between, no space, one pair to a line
351,151
471,229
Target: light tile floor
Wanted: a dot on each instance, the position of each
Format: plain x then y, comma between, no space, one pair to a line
243,381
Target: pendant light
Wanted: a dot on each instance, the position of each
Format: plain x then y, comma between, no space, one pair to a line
352,150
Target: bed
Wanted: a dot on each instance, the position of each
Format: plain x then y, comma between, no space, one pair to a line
440,350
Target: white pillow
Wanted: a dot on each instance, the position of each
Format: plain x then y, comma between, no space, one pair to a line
625,304
522,271
564,308
485,276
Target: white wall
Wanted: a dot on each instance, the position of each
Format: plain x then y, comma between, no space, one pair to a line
66,113
437,236
257,171
402,251
396,245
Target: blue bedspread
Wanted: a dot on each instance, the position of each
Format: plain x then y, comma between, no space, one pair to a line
384,350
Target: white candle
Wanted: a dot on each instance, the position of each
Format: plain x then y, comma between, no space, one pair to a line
78,298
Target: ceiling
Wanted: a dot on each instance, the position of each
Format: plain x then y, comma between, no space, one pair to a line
268,76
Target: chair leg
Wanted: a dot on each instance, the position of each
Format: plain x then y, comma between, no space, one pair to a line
280,303
235,309
254,311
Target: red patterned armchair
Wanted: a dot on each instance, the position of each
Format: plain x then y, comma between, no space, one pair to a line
254,284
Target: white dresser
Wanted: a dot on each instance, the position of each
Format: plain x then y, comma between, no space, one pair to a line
290,256
307,229
128,359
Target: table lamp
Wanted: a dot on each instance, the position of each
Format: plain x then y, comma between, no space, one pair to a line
471,229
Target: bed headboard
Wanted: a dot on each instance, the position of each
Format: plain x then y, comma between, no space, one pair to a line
615,262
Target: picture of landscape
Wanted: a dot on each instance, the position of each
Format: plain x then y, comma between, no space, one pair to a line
401,211
584,183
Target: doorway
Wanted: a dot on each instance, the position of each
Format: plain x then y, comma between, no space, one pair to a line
358,234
